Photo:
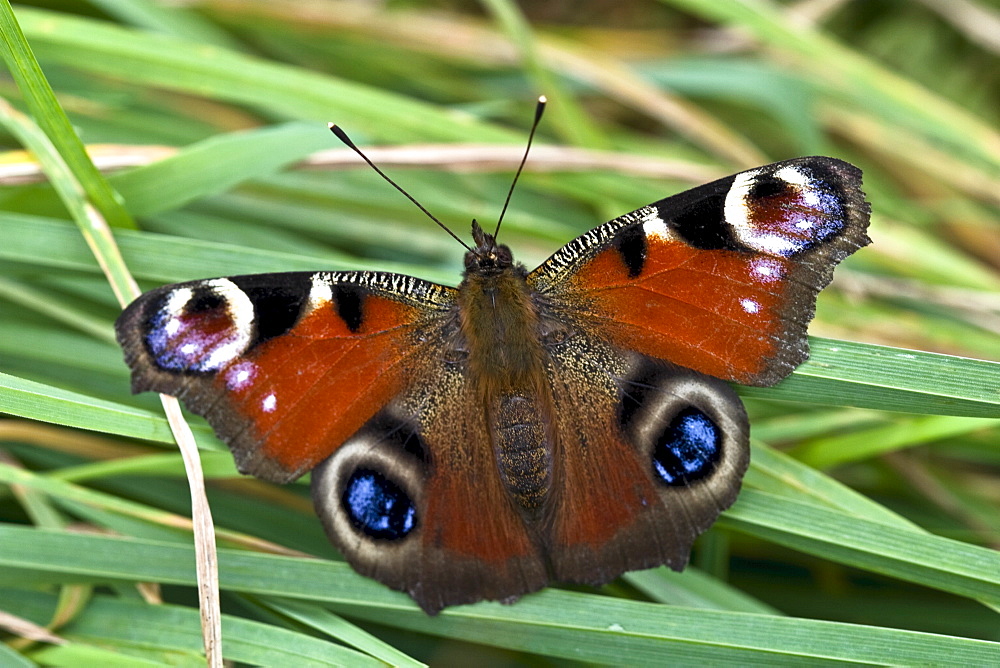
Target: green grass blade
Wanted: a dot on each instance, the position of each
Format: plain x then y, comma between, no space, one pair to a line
52,120
553,623
963,569
845,373
161,60
217,164
904,101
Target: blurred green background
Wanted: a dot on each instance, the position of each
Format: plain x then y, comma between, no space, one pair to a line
874,497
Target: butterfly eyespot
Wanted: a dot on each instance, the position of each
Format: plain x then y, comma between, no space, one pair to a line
377,506
201,328
765,187
688,449
785,211
204,301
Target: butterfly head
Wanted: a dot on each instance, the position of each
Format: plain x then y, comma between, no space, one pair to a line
488,258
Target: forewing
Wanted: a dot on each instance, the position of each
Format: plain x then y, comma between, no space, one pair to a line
285,367
721,279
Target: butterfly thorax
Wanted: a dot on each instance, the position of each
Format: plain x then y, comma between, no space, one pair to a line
506,368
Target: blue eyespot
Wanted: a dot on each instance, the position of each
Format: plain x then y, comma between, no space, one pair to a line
377,506
688,449
195,330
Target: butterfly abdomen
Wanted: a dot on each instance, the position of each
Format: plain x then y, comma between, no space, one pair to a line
523,453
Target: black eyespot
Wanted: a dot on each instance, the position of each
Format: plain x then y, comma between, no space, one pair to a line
688,449
377,506
769,186
204,300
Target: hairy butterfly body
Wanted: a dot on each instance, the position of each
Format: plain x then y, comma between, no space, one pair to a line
562,424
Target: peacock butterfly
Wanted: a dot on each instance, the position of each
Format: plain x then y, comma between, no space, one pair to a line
568,423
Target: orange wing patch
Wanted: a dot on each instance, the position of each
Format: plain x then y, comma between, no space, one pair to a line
305,393
722,313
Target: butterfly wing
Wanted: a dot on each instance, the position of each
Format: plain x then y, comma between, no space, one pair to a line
414,499
648,454
285,367
353,372
722,278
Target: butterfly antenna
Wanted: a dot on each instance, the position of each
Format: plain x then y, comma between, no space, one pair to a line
342,136
539,108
